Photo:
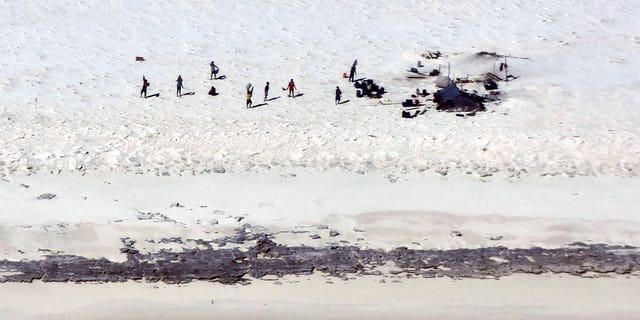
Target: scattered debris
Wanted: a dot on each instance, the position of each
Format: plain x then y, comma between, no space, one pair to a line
154,216
410,113
451,99
176,205
490,84
442,171
171,240
455,233
412,103
421,93
431,54
46,196
368,88
496,55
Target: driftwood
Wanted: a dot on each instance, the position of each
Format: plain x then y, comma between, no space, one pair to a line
496,55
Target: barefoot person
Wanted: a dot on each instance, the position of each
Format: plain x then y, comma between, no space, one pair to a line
338,95
179,86
249,94
292,88
352,72
214,71
145,85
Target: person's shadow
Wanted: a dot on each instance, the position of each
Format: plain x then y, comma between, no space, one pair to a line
155,95
343,102
298,95
258,105
222,77
188,93
274,98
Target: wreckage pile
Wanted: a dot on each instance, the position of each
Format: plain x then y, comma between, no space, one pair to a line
450,97
368,88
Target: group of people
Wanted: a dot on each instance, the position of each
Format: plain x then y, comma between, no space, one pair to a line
179,84
291,86
145,85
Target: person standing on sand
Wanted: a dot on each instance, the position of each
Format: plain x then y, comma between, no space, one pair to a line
214,71
266,91
249,94
179,86
292,88
352,72
145,85
338,94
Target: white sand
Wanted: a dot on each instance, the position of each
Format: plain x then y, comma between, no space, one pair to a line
574,111
90,214
311,297
561,148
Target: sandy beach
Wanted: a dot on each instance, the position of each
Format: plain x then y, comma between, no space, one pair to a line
191,206
539,297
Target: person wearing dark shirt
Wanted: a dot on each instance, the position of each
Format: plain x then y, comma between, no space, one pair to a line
145,85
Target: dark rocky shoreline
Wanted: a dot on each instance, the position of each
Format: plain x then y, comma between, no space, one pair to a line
233,265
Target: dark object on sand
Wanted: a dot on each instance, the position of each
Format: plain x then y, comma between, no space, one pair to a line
412,103
451,99
410,114
431,55
489,84
368,88
496,55
139,58
46,196
422,93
